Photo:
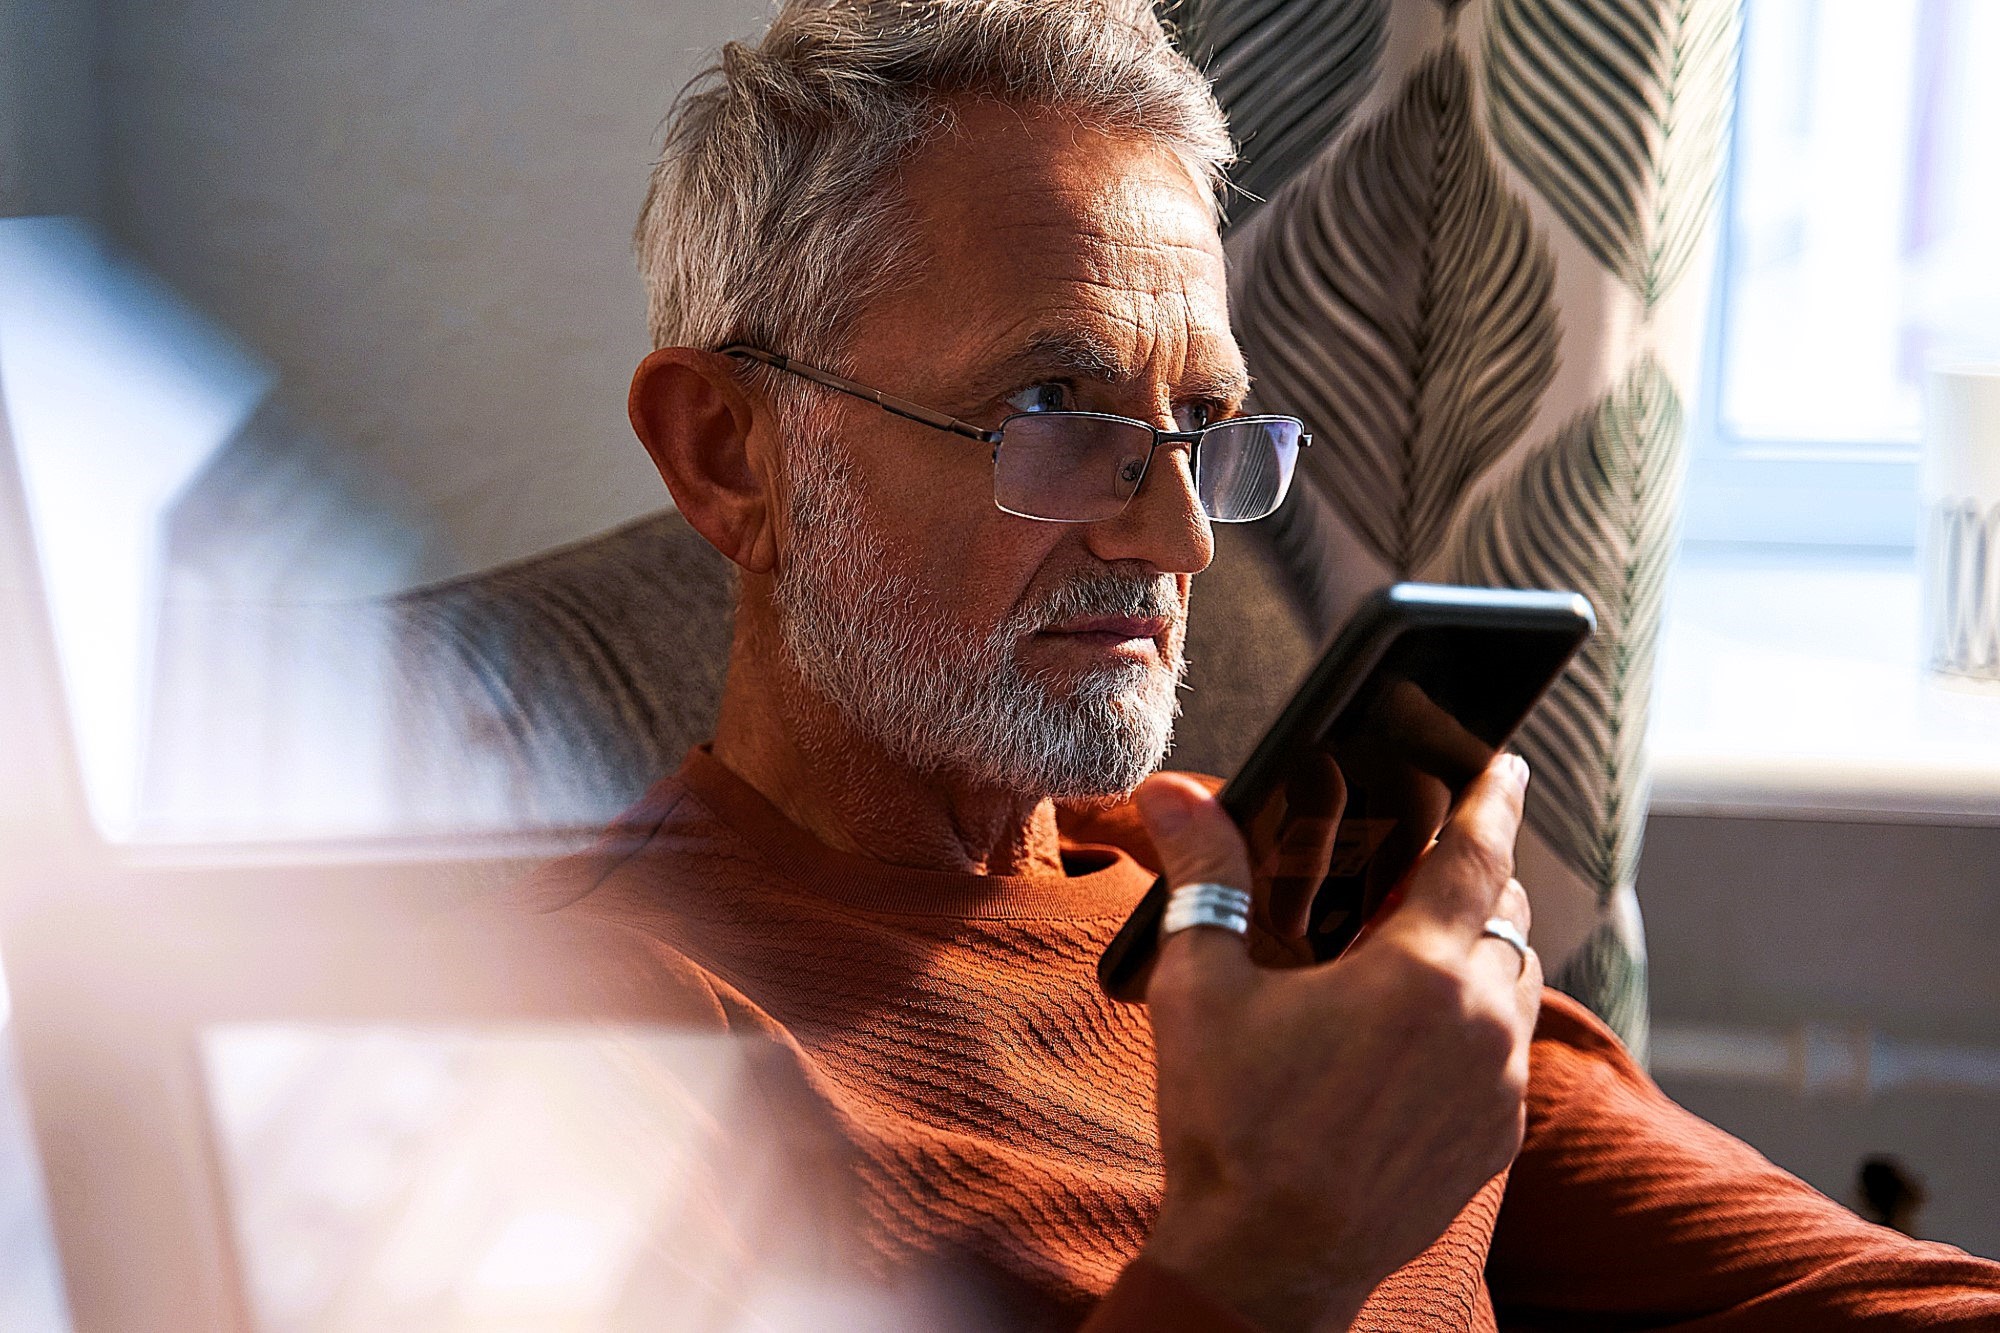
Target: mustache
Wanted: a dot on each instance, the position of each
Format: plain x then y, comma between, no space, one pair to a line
1102,595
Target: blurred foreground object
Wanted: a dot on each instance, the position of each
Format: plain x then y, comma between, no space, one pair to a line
554,1178
1890,1195
330,1096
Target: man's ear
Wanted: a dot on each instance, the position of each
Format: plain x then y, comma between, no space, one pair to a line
697,423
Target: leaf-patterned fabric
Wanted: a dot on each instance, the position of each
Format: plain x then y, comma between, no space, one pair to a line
1474,262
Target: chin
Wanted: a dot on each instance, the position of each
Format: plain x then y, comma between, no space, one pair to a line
1106,760
1097,803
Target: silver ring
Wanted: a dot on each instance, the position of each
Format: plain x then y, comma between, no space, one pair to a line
1206,905
1500,928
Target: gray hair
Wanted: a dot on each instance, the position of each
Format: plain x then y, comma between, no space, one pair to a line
771,219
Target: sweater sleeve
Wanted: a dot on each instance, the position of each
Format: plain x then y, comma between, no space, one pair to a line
1625,1211
1150,1299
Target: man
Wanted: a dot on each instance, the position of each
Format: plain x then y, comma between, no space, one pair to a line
872,240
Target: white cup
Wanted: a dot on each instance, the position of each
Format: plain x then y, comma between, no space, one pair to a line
1958,484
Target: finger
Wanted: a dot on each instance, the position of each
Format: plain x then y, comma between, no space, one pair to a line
1527,996
1528,999
1197,843
1461,879
1528,990
1514,905
1519,972
1511,910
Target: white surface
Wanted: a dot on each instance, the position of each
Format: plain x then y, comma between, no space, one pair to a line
117,393
1792,685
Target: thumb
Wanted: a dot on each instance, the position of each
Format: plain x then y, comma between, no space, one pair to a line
1197,840
1197,843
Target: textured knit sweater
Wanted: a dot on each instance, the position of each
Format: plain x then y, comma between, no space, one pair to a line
1000,1109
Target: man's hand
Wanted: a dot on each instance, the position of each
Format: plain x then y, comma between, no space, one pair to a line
1322,1126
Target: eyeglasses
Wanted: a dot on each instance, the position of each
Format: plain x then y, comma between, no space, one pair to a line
1083,467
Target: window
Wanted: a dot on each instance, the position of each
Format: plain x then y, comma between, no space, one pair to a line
1859,245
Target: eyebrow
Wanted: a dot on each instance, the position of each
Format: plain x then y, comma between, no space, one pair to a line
1082,353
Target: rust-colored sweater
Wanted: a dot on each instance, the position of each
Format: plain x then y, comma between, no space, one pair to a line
1000,1109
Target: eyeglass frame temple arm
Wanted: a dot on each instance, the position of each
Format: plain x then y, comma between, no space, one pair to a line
887,402
902,407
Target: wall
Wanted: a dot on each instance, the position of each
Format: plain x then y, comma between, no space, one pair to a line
1766,924
49,127
420,213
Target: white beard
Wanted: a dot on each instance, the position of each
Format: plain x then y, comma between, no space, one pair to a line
943,699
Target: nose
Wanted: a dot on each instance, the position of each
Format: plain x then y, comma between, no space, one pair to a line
1163,524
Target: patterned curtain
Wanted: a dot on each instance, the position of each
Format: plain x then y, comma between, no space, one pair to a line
1475,261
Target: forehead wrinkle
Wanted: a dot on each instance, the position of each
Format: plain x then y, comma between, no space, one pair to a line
1081,349
1123,213
1093,244
1090,265
1211,360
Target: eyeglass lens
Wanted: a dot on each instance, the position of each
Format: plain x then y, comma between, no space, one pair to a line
1080,468
1243,468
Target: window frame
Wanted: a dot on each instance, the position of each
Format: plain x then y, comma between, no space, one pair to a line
1786,492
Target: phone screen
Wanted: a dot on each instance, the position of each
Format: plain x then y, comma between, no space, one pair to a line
1424,723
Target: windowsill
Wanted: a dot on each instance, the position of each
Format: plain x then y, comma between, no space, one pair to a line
1790,684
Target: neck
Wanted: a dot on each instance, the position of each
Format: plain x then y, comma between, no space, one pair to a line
780,736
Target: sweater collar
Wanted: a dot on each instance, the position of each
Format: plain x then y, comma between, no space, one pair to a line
1103,880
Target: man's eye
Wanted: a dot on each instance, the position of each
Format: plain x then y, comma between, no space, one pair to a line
1194,416
1048,397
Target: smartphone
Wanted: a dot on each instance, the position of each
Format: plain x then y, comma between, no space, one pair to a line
1402,711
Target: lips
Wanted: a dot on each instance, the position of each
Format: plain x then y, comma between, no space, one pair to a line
1114,628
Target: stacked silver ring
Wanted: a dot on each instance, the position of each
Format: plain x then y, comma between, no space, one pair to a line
1206,905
